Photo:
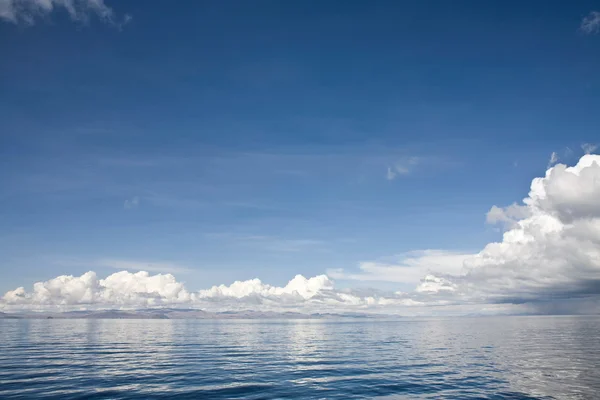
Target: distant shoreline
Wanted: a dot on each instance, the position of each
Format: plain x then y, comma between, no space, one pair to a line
180,314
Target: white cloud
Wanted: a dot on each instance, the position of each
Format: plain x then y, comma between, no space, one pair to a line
391,174
131,203
548,259
589,148
151,266
553,159
270,243
287,245
591,23
122,264
127,290
403,166
120,289
299,286
553,251
568,152
406,268
508,216
550,252
26,11
435,284
567,192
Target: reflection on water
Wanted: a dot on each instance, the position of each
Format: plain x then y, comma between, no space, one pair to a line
519,358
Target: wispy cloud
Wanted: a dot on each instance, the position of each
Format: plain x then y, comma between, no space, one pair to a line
408,267
289,245
591,23
131,203
553,159
164,267
568,152
177,202
270,243
26,11
391,174
136,265
217,176
402,167
589,148
142,161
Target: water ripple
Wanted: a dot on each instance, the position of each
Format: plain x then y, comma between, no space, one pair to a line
465,358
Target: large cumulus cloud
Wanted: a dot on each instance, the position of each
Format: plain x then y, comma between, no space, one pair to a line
551,253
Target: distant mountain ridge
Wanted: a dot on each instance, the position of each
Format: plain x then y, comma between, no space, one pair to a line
173,313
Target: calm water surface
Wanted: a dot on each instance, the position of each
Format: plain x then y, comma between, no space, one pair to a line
463,358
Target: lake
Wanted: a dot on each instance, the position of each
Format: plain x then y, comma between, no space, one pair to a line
463,358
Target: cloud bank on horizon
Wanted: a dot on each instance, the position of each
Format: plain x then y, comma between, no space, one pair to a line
548,261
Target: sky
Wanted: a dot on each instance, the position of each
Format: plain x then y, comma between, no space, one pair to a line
153,154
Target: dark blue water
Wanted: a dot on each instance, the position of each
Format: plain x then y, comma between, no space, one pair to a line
463,358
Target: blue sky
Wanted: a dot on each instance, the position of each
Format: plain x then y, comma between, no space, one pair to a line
224,141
